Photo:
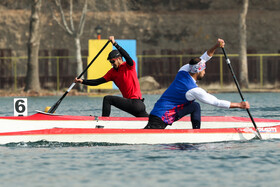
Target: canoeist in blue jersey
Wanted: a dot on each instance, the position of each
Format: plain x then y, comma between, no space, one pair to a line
179,99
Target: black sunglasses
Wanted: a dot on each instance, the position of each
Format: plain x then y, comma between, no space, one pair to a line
113,61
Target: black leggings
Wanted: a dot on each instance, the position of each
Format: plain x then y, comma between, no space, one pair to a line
135,107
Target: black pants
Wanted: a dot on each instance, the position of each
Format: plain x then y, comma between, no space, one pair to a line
156,122
135,107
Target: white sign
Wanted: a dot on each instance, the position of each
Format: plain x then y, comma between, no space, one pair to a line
20,106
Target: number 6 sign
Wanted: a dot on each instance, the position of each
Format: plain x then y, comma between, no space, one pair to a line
20,106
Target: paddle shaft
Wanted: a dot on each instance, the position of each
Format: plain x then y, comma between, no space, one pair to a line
54,107
240,93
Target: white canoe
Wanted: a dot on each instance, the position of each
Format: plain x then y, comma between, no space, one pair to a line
129,130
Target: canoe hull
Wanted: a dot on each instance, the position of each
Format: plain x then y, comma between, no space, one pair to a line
138,136
130,130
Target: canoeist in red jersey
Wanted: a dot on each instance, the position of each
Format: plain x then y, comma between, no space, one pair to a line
123,74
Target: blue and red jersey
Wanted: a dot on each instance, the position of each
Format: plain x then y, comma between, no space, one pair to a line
174,98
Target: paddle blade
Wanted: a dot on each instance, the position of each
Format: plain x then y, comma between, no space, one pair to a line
54,107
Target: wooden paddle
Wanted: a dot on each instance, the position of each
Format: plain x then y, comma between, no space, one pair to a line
240,93
54,107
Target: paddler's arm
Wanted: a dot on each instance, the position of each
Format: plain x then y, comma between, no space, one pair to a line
220,43
124,54
243,105
92,82
210,52
201,95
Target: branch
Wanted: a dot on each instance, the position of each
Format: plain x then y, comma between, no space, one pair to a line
58,22
71,16
66,28
82,20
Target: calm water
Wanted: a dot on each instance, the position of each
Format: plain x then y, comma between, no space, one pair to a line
250,163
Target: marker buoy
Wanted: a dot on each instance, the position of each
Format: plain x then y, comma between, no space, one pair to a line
47,109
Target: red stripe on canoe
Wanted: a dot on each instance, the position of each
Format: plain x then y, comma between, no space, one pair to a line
61,131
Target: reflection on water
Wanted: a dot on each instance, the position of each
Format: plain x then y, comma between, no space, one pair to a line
47,144
182,146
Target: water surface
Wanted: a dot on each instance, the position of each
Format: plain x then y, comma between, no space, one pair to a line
250,163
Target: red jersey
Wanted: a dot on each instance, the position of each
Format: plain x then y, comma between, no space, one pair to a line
125,77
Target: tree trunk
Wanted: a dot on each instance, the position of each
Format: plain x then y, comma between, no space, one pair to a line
75,33
243,76
32,76
78,61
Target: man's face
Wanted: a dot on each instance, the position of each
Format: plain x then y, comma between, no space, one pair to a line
201,75
115,62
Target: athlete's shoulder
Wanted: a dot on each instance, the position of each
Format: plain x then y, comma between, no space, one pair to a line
185,68
130,66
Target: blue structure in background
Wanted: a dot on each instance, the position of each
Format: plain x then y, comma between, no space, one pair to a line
130,47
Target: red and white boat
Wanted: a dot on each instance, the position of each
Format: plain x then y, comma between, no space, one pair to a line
129,130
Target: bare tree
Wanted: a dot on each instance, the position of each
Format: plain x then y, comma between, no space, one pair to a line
32,76
76,33
244,82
